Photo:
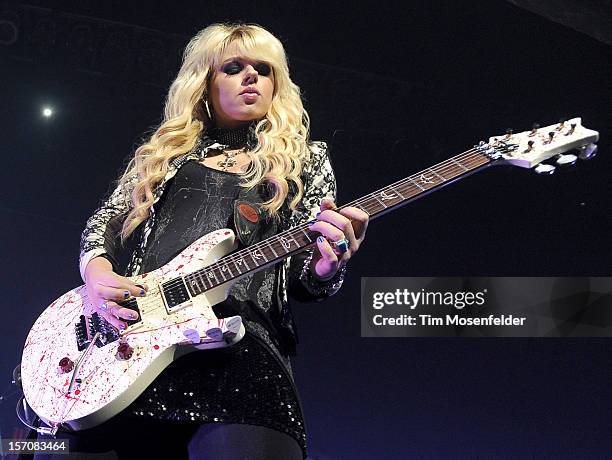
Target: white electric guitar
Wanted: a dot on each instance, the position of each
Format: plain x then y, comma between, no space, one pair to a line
77,370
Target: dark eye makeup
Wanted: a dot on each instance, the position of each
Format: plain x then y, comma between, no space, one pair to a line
263,69
234,67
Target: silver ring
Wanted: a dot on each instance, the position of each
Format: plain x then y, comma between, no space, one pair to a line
342,245
104,306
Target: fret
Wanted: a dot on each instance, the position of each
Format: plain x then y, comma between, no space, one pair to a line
192,284
226,267
306,235
262,252
397,191
434,171
294,240
257,253
382,204
286,244
202,279
411,180
294,236
198,281
242,260
301,237
211,274
410,191
357,205
237,267
222,274
272,248
459,164
426,180
386,196
297,244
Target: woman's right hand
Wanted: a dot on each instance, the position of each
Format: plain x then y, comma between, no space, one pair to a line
105,288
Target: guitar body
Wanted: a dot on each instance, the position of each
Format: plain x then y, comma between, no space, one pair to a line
104,379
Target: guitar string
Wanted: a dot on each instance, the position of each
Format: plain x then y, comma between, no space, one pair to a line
441,168
198,277
239,256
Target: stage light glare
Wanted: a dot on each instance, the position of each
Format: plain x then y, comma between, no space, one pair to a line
47,112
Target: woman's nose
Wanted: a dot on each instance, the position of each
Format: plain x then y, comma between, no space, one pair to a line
250,74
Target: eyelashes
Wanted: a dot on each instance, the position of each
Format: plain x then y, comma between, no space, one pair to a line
235,67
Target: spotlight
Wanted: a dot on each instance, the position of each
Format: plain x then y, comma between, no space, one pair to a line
47,112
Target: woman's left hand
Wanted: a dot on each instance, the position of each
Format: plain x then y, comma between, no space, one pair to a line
349,223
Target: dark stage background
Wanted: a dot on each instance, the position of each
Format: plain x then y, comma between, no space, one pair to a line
393,88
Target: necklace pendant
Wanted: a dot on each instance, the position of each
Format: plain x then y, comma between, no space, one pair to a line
226,163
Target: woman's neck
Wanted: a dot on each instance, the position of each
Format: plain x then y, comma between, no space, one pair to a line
238,137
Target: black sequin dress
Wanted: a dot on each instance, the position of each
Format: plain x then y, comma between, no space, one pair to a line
250,382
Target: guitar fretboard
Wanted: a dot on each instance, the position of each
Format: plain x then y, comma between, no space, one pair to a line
297,239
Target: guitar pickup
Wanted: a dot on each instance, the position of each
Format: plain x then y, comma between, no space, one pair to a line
175,294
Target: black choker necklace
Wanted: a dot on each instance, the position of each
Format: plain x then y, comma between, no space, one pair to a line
234,138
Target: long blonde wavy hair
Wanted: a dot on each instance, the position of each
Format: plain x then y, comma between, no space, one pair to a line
282,134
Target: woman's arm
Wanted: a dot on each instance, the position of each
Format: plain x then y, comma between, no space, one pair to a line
320,272
98,263
100,234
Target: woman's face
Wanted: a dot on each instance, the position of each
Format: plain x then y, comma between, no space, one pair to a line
240,91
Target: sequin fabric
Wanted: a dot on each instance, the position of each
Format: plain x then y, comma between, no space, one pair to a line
241,384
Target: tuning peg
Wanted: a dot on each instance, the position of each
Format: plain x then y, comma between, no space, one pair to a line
561,124
587,151
544,169
568,159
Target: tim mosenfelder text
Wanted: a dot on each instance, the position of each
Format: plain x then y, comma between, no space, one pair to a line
458,300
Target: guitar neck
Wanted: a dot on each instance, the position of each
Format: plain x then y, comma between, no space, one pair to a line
297,239
413,187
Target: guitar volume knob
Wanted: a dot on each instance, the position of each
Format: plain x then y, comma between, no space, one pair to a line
124,351
66,365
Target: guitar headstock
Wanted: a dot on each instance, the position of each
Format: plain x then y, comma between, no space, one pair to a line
530,148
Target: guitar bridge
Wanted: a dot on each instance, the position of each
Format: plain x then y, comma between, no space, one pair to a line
87,328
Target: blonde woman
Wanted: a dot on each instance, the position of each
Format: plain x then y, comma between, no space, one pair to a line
232,151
